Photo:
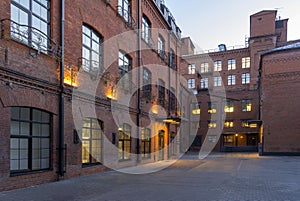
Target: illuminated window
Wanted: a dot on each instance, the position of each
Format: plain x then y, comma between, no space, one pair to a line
212,124
124,68
248,123
212,108
92,131
192,69
191,83
217,81
146,143
229,107
204,68
124,142
246,62
204,83
161,46
217,65
196,109
124,9
231,79
228,124
246,105
146,29
245,78
30,144
231,64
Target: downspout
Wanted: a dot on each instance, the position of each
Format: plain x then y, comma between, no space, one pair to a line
139,60
261,151
62,96
169,90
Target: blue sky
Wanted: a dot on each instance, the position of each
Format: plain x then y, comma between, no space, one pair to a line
210,23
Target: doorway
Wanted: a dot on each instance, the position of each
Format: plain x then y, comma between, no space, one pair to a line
161,145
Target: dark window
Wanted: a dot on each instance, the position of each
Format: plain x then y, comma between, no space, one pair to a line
30,144
124,142
161,92
92,131
146,143
172,62
147,88
172,99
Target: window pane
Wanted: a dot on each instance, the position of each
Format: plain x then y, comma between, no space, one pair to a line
25,114
37,115
15,113
25,128
14,128
45,130
36,128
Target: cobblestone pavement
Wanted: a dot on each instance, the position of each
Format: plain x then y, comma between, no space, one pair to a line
220,177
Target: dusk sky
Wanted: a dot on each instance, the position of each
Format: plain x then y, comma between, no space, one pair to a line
210,23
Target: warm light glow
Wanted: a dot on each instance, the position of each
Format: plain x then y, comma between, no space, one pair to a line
111,93
253,125
212,111
70,76
196,111
69,81
154,109
236,135
229,109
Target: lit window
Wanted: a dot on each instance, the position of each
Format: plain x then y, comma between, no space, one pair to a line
124,142
246,105
124,68
191,83
204,68
229,107
204,83
161,46
92,131
231,79
231,64
228,124
192,69
30,142
146,29
212,108
248,124
91,50
246,62
217,81
217,65
212,124
245,78
124,9
146,143
196,108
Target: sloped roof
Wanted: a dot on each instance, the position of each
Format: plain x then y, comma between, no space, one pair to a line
287,47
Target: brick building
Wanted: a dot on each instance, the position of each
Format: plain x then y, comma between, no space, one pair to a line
226,83
70,104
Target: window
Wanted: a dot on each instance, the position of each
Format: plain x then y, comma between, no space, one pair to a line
124,68
30,143
92,132
124,9
212,108
246,62
31,22
212,124
204,83
204,68
229,107
172,60
172,99
217,65
192,69
246,78
246,123
146,143
161,46
161,92
91,50
228,124
231,64
246,105
146,29
147,87
191,83
124,142
196,108
217,81
231,79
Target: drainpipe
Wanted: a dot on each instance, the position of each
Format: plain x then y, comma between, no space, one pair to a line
62,96
261,149
139,60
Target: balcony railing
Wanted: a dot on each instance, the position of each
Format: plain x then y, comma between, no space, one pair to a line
125,14
29,36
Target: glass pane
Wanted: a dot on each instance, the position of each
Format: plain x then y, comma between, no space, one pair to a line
95,37
86,30
23,143
25,128
95,46
45,163
43,2
45,153
45,143
14,164
96,134
25,114
36,143
85,133
45,117
15,113
86,123
14,143
85,151
24,3
86,40
36,154
96,124
24,154
36,164
23,164
14,154
36,115
45,130
14,128
36,129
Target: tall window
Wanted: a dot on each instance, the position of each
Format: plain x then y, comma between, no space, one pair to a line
191,83
92,134
231,79
212,124
246,62
231,64
91,50
172,59
217,65
204,67
161,46
146,29
124,9
146,143
192,69
124,68
204,83
124,142
30,144
161,92
228,124
196,108
246,105
31,22
246,78
229,107
147,88
172,99
212,108
217,81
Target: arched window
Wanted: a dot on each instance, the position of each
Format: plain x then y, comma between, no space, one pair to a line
161,46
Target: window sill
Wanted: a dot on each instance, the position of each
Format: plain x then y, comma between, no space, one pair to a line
27,172
90,165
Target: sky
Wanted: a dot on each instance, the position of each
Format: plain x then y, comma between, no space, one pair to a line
213,22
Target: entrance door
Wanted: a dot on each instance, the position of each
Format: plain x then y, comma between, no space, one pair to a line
161,145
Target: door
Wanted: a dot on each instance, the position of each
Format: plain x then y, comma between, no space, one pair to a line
161,145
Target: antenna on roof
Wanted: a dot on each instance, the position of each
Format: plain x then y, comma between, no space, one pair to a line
278,12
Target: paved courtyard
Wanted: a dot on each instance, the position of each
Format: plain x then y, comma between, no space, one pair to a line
219,177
